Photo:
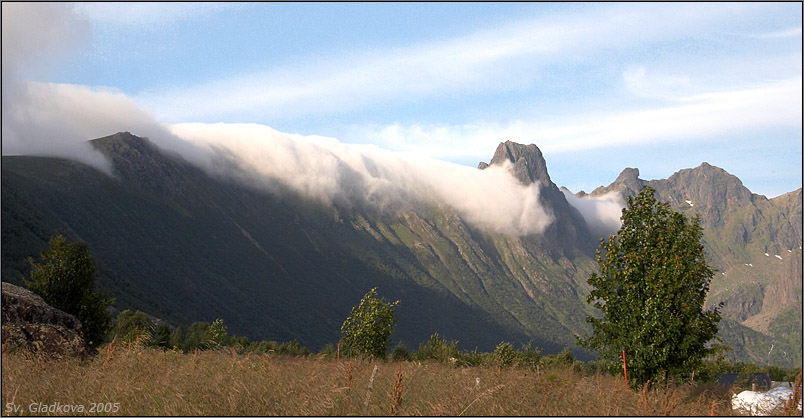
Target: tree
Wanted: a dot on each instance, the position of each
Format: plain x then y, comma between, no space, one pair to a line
368,328
217,333
133,326
66,281
197,336
651,288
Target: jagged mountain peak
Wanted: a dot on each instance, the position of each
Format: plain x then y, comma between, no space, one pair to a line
528,164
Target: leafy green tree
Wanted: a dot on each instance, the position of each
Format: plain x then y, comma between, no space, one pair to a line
66,281
651,288
368,328
132,326
217,332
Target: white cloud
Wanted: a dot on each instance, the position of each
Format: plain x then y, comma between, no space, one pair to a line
507,58
54,119
602,214
369,177
688,118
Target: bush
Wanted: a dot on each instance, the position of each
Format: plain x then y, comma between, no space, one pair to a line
292,348
504,355
529,357
400,353
438,349
132,327
562,359
328,351
473,359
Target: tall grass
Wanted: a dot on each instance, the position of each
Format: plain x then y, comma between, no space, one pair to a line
153,382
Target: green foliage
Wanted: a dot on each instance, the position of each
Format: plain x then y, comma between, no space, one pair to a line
400,353
292,348
132,327
651,286
328,351
504,355
176,340
562,359
197,337
66,281
368,328
529,357
437,348
262,347
162,336
217,332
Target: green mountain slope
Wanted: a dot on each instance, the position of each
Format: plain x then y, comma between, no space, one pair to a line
183,245
171,240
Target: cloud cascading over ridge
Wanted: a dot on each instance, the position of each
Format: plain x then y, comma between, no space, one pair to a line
333,172
57,119
602,214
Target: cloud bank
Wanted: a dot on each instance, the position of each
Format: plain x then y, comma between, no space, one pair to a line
56,119
602,214
344,174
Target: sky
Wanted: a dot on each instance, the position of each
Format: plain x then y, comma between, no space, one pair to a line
598,87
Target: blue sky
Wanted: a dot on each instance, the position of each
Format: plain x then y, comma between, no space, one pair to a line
597,86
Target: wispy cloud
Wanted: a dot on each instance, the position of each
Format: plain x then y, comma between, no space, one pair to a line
692,117
510,57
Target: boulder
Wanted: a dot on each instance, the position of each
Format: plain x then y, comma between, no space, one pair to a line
32,325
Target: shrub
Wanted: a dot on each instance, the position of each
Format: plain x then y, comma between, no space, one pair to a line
437,348
293,348
400,353
504,355
132,327
529,357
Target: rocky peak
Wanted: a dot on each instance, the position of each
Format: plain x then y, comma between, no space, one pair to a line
711,188
528,164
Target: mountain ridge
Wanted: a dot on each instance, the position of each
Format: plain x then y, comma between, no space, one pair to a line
171,239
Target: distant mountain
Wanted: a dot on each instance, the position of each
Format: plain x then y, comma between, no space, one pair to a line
183,245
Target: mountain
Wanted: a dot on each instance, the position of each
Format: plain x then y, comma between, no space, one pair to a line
753,242
184,245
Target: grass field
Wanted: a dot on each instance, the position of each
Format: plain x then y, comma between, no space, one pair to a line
143,381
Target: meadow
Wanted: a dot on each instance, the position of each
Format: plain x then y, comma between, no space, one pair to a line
138,380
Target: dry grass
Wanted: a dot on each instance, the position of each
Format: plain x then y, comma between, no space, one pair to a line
152,382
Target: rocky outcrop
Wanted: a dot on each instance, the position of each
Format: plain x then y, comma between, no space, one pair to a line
568,231
31,324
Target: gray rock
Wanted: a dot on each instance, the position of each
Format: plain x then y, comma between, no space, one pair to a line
32,325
